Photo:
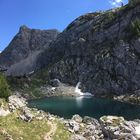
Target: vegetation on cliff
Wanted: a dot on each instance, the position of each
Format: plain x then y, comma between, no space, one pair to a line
4,87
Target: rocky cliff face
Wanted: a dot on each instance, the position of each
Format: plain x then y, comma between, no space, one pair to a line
101,50
19,57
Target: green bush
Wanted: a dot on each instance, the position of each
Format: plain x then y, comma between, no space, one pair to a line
111,16
135,28
4,88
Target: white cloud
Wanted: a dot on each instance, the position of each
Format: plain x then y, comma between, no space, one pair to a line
116,3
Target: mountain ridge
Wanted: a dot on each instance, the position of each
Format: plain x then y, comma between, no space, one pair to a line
100,50
26,44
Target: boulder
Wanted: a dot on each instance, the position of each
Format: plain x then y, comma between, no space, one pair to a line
27,115
137,131
16,101
89,120
77,118
118,128
4,112
77,137
55,83
92,129
74,126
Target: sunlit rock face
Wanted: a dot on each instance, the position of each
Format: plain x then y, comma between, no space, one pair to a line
101,50
20,56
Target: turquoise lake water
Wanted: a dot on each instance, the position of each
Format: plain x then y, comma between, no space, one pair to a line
68,106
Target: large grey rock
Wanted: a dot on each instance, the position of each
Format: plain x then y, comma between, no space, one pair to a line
16,101
55,82
93,128
77,137
74,127
27,115
4,112
77,118
89,120
118,128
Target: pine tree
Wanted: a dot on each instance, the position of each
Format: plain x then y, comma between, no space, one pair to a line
4,88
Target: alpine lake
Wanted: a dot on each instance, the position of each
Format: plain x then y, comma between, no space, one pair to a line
66,107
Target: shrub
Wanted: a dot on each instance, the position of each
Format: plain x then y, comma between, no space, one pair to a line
111,16
135,28
4,88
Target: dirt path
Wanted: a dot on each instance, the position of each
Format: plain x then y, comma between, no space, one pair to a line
53,128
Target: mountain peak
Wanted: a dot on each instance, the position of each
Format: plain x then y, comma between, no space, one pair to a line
23,28
24,49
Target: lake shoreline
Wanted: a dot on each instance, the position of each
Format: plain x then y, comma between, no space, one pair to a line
77,127
65,90
85,106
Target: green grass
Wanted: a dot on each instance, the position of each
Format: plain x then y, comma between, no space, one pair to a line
34,130
17,128
61,133
3,103
133,30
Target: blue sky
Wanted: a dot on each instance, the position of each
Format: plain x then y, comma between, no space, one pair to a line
44,14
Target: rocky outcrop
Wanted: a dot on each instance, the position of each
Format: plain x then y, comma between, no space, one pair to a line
129,98
108,127
101,50
55,88
27,114
84,128
117,128
16,102
78,128
20,56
